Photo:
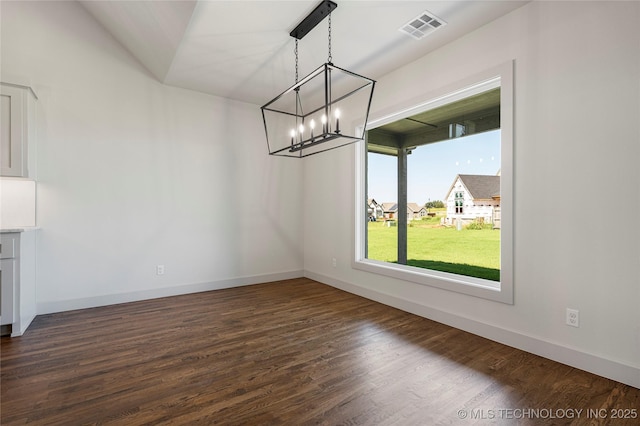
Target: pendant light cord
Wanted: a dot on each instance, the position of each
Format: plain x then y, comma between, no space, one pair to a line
296,52
330,57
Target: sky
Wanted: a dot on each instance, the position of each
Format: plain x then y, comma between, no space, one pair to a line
432,168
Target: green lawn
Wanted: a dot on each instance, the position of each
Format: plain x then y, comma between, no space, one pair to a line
470,252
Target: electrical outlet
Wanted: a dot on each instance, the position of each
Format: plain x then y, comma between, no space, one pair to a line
334,262
573,317
160,270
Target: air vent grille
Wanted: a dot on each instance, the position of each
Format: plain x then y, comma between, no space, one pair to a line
422,25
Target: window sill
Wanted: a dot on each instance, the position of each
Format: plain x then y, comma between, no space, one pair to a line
471,286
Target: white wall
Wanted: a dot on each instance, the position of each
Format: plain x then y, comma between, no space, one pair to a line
133,173
577,105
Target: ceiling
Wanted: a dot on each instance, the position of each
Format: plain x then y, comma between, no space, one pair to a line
242,49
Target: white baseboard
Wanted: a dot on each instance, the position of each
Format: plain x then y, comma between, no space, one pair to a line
134,296
573,357
21,326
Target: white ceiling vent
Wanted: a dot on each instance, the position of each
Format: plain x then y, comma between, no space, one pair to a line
422,25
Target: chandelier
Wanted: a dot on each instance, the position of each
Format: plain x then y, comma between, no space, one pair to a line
306,118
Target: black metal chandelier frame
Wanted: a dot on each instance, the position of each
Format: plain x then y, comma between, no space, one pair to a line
298,144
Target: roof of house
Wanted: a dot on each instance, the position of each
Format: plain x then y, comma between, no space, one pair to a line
392,207
413,207
480,187
389,207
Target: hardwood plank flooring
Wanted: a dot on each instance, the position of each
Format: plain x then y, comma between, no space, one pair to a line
290,352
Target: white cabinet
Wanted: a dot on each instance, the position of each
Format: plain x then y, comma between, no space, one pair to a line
8,280
17,129
9,248
17,280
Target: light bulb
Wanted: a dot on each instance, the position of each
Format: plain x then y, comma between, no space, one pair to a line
293,135
324,123
312,125
337,113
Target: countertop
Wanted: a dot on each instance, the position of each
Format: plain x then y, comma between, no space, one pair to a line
13,230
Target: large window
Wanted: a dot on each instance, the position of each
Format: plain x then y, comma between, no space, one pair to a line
434,190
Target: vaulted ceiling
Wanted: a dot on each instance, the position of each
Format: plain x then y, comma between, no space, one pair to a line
242,49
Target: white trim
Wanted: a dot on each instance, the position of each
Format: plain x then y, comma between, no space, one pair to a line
20,86
604,367
22,325
113,299
500,76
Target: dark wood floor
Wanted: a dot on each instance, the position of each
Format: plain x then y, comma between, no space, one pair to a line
291,352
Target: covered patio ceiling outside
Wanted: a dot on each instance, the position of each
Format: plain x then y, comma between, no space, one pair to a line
472,115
